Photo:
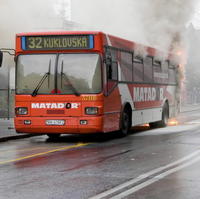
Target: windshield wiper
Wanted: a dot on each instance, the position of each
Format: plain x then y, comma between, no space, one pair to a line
35,92
69,82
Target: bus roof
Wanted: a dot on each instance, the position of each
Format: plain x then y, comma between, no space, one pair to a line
59,33
132,45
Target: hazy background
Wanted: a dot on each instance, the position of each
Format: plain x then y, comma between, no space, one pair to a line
152,22
164,24
156,23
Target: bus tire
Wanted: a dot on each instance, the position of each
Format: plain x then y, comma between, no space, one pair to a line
125,121
165,116
53,135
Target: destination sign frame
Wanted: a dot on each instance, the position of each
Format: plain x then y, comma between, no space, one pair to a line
57,42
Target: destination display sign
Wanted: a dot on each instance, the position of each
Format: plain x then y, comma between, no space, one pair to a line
58,42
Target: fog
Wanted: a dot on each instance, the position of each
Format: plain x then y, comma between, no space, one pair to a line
25,16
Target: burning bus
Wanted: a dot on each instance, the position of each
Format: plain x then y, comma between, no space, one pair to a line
91,82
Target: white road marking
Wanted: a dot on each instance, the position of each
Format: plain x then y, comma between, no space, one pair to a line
190,158
155,179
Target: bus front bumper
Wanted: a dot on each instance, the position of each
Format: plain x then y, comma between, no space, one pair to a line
67,125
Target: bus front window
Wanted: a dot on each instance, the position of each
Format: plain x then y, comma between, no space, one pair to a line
31,69
60,74
79,73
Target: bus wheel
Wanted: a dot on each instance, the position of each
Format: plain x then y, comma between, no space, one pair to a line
125,122
53,135
164,121
165,116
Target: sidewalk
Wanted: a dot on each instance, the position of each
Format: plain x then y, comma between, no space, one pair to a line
7,130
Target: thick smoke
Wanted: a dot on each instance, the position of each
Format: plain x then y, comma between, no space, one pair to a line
157,23
164,22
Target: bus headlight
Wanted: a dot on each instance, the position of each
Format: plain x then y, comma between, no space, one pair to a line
21,111
91,110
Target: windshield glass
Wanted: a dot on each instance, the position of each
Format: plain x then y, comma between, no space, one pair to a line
30,71
79,73
61,74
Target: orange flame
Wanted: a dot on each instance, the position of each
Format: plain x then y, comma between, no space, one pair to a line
179,53
145,125
173,122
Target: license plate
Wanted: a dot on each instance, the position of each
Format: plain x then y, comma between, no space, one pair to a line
55,122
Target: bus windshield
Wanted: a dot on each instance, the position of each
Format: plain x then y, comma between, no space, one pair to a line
67,74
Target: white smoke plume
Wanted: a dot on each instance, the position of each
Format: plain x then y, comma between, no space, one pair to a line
164,22
157,23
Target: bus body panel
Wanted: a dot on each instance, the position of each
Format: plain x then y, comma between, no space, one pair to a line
112,109
44,108
72,125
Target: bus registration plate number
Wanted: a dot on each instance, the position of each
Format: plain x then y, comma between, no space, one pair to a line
55,122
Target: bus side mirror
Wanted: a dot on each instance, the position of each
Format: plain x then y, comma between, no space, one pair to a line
108,62
1,58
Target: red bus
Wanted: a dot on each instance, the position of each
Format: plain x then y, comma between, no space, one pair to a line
91,82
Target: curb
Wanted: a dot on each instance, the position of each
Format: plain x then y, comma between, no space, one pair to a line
15,137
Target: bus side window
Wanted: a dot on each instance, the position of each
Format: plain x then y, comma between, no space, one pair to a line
172,73
114,71
126,66
111,58
165,71
148,69
157,63
111,65
165,66
157,71
109,71
138,69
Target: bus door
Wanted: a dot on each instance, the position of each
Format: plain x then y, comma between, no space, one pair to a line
111,69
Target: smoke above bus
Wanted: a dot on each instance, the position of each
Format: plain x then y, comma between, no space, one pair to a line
159,23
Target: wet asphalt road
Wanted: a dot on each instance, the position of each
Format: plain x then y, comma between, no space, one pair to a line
147,164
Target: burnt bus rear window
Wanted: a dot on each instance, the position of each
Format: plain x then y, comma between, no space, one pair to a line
57,42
